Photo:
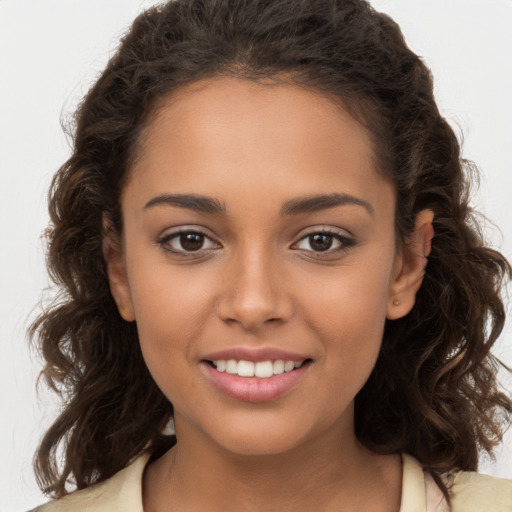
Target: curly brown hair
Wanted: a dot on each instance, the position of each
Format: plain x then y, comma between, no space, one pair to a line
433,392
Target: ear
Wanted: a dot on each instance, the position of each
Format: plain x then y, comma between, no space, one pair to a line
409,268
116,270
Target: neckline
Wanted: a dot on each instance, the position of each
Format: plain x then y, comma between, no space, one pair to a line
129,485
413,486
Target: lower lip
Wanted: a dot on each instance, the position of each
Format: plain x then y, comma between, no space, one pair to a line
255,389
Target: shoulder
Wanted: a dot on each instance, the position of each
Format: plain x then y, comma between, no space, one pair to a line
120,493
469,491
475,492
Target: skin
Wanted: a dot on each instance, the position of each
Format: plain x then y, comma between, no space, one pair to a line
257,282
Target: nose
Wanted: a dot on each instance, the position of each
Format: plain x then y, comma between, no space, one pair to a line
254,291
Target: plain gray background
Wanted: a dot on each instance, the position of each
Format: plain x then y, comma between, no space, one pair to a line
51,50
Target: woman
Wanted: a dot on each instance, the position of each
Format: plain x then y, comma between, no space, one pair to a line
264,235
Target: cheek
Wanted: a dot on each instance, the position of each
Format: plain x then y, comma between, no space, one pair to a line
347,310
172,309
162,310
352,295
167,298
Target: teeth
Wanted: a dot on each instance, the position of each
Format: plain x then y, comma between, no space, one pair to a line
289,366
246,369
261,369
231,366
278,367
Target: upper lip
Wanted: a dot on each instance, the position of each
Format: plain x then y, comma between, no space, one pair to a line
255,355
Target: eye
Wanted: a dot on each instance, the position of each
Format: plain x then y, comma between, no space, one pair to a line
188,241
324,242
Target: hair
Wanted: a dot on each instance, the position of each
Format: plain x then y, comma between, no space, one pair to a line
433,392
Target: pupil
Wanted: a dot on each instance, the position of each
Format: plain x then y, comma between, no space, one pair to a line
191,241
320,242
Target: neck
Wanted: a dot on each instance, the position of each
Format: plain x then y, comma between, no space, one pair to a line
331,473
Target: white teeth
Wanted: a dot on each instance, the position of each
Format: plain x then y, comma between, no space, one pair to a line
231,366
261,369
289,366
246,368
278,367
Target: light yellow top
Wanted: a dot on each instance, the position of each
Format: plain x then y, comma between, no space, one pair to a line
470,492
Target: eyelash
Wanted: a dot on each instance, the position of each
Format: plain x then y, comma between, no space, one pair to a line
345,243
164,240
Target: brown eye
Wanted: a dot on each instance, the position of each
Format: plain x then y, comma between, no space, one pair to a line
191,241
183,242
320,242
324,242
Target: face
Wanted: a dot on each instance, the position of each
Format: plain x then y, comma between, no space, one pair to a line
258,237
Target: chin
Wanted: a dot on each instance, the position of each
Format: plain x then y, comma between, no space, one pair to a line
260,436
264,444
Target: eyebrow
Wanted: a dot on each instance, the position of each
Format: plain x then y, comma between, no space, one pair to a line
189,201
316,203
297,206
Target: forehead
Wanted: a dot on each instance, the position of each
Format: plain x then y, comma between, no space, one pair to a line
242,109
225,131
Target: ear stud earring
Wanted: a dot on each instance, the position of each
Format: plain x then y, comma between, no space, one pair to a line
396,302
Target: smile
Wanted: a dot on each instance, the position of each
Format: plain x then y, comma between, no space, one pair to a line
255,381
260,369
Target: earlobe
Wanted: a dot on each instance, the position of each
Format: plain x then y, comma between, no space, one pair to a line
410,265
116,271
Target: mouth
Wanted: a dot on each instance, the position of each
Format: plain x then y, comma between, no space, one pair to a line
260,380
259,369
256,375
